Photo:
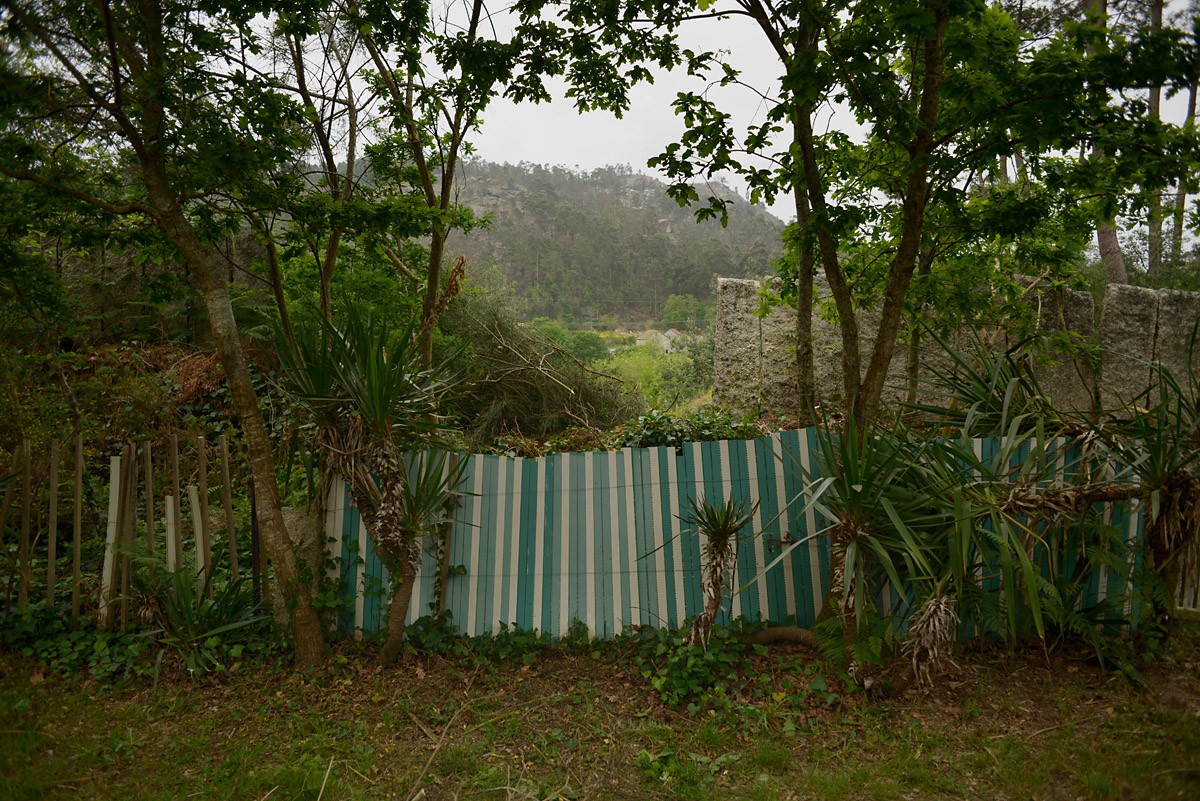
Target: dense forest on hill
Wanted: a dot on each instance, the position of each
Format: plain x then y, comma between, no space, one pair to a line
608,242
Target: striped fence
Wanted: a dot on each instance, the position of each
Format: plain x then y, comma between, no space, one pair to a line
595,538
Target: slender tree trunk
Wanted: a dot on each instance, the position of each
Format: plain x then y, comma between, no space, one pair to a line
827,247
285,320
276,274
1181,192
328,263
308,638
912,367
1110,248
1106,232
912,360
1154,217
912,225
805,368
433,286
805,371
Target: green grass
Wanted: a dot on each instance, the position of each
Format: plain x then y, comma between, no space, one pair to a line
573,726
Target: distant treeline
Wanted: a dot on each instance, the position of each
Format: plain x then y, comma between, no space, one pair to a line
608,242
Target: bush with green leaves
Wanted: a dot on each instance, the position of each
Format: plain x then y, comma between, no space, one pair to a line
436,634
1011,537
522,384
682,671
657,428
665,380
67,644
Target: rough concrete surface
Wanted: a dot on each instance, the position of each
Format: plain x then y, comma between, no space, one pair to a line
756,371
1177,340
1127,331
780,389
1065,375
737,359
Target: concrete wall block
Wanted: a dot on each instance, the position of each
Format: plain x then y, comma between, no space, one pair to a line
827,362
896,383
780,385
1127,325
1065,374
1177,343
738,346
755,359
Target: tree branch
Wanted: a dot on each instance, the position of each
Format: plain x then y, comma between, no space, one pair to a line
92,200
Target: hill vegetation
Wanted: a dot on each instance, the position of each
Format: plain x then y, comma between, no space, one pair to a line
608,243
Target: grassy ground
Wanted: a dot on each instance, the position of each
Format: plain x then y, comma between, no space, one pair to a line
577,726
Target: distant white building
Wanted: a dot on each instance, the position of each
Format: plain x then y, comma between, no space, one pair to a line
668,340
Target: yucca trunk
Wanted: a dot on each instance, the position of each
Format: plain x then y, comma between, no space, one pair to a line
402,587
720,556
376,478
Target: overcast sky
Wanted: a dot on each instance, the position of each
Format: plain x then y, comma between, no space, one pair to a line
555,134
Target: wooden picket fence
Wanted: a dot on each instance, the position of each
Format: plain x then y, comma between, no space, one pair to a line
132,503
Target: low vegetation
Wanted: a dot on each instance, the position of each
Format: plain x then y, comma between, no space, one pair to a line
517,719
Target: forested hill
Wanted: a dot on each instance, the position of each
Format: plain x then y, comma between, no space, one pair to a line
606,242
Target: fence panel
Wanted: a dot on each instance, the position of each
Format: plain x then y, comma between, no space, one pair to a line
596,538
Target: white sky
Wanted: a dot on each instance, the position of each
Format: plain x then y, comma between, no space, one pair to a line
555,134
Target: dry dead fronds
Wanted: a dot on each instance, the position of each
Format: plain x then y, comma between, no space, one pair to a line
930,637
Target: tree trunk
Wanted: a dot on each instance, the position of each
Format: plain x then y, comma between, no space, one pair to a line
912,362
912,366
433,286
402,592
1154,218
805,378
328,263
205,265
1181,192
847,320
912,225
805,370
1110,247
1106,232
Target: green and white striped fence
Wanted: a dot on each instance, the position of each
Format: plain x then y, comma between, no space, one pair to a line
595,537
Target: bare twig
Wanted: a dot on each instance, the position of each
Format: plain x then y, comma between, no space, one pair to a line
325,780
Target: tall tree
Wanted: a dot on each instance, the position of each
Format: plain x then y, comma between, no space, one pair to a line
133,108
943,88
437,83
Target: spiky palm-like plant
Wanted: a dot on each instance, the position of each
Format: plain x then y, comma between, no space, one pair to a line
369,400
719,526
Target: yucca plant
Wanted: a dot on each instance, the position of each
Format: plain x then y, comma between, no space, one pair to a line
930,636
1157,449
718,527
886,522
982,392
370,400
202,629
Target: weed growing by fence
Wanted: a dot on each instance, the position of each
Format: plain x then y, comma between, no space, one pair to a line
66,644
